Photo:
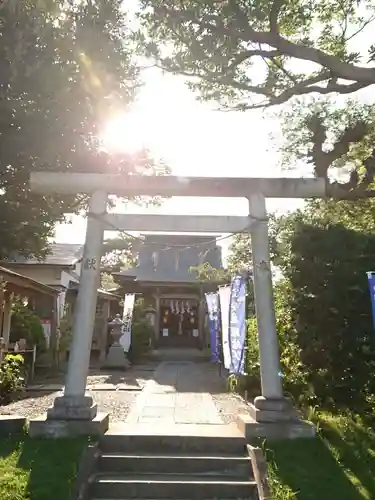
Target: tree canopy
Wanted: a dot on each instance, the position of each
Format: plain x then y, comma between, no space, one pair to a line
118,253
257,47
256,54
65,67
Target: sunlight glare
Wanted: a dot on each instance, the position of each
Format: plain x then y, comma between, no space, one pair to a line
123,134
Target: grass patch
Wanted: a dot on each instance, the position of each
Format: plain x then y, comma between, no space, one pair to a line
339,463
38,469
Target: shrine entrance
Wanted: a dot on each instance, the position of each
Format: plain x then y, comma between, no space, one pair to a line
179,323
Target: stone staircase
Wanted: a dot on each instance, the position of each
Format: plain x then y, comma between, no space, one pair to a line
169,467
179,355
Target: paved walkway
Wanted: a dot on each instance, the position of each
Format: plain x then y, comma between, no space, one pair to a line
177,394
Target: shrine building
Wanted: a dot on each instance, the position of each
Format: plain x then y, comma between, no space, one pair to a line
174,296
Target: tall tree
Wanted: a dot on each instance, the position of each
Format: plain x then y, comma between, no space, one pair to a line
256,54
239,254
65,67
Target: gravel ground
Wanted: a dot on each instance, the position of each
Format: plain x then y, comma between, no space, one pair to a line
115,402
229,406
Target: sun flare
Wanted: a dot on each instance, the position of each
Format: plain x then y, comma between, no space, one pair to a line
123,133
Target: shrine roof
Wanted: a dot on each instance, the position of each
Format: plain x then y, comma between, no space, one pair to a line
170,258
60,254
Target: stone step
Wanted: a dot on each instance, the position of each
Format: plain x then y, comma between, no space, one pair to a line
183,355
171,487
173,444
228,465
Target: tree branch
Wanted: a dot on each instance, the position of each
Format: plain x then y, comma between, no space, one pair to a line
339,191
361,28
247,54
318,156
304,88
350,135
354,188
274,15
338,68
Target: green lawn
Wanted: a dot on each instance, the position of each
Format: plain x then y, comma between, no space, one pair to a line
339,463
38,469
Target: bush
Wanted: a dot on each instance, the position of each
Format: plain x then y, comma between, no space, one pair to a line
329,308
142,333
26,325
11,377
293,373
323,253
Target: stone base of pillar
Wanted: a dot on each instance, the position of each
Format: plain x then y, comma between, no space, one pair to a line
116,358
273,410
274,431
273,419
73,408
52,428
70,416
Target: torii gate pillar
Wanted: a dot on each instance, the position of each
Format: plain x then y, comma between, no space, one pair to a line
75,413
271,406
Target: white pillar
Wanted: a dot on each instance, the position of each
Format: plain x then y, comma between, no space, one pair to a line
268,343
157,318
61,306
84,317
7,316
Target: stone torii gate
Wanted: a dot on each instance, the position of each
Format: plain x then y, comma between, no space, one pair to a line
76,413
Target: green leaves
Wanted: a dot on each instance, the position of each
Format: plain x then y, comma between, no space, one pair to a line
65,68
11,377
241,50
323,305
335,140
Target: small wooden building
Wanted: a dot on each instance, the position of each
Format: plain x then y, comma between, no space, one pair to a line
60,271
14,285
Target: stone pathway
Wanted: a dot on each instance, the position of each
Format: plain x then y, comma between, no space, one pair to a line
182,393
174,397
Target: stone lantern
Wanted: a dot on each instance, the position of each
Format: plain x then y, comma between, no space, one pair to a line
116,358
151,315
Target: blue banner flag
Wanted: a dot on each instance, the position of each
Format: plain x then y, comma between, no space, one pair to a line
212,300
237,324
371,283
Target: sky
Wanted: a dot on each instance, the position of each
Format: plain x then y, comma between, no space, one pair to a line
194,139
